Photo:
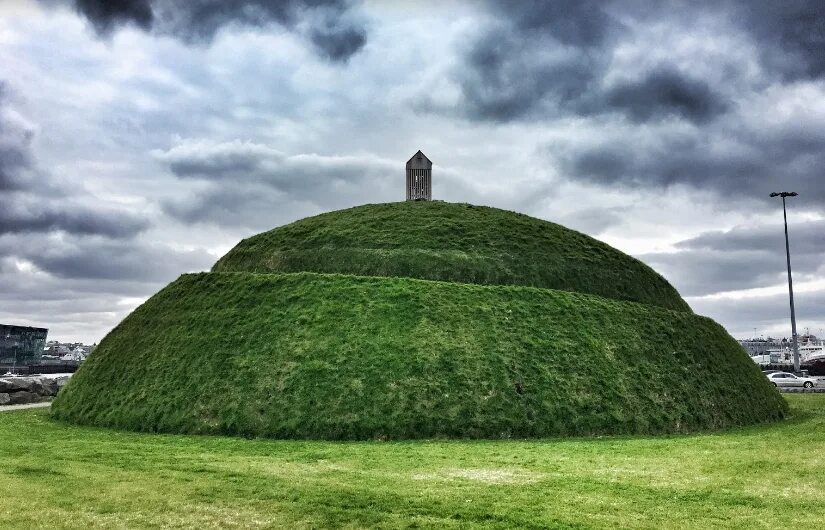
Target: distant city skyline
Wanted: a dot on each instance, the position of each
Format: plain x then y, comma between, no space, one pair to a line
144,141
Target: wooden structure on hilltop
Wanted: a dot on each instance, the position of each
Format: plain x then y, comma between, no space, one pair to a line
419,178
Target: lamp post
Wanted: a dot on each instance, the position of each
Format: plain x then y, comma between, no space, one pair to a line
784,194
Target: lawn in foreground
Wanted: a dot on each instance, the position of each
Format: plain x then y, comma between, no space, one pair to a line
55,475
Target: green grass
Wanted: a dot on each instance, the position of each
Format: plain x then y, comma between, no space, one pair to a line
452,242
343,357
55,475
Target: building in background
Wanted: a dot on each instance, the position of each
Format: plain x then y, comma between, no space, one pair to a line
21,344
763,346
419,178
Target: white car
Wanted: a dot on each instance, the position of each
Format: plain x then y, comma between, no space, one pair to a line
787,380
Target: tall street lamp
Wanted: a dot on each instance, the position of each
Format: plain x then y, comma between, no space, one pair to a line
784,194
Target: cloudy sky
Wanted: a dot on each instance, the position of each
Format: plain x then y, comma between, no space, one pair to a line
140,139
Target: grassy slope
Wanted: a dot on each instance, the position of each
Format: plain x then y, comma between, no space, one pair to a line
452,242
327,356
56,476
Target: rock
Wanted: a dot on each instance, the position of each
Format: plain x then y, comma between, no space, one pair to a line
25,383
23,397
43,386
11,384
47,387
36,385
22,390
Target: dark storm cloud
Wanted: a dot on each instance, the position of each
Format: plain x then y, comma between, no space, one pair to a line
105,259
503,79
806,237
334,34
706,272
550,59
15,141
33,202
237,163
45,217
338,43
738,160
210,161
82,288
660,105
537,57
253,185
791,33
66,257
230,206
665,91
581,23
742,258
106,15
111,260
661,159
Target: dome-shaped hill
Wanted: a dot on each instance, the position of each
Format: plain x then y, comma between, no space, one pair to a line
280,347
455,243
342,357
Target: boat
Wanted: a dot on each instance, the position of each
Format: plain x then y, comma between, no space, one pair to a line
810,349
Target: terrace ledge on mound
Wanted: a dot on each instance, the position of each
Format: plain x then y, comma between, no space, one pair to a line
459,243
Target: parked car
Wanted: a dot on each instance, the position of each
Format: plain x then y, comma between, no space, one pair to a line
788,380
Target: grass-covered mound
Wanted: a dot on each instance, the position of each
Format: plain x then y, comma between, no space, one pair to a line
455,243
344,357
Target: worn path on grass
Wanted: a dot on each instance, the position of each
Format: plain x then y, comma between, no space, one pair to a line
8,408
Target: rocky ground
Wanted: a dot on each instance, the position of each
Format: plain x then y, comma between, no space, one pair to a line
33,389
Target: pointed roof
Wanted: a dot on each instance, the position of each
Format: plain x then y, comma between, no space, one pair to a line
419,161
